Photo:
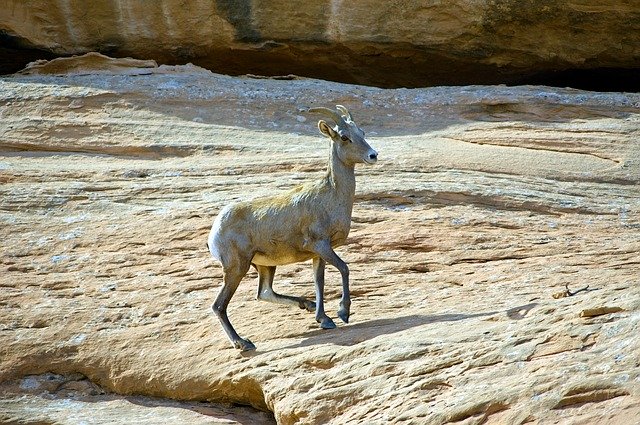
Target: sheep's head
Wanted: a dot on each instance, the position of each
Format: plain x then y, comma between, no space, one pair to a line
347,137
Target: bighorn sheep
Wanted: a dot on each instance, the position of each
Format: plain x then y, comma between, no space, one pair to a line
305,223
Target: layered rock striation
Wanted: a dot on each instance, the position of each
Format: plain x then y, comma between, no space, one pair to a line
392,44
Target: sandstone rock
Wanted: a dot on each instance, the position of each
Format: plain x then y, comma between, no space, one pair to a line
405,43
72,399
91,63
485,202
599,311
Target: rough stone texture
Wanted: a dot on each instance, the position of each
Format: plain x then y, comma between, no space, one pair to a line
73,399
389,43
485,203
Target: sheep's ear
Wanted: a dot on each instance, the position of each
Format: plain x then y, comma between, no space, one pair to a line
326,129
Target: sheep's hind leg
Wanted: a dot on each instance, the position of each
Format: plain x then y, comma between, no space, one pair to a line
232,278
266,292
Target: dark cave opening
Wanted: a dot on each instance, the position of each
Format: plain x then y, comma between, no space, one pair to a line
597,79
377,71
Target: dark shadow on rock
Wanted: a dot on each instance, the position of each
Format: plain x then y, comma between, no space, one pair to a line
520,312
236,413
353,334
349,335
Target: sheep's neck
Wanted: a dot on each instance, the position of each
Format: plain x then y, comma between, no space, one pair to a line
341,178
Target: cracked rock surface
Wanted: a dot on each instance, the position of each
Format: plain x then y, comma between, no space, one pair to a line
488,207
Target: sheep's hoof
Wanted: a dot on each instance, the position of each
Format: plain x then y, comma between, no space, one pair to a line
244,345
344,315
327,323
307,305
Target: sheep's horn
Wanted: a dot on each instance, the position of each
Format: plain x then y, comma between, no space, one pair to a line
345,112
328,112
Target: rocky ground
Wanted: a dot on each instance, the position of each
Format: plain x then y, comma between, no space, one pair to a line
489,211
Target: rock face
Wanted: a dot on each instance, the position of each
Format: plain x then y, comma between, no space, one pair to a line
373,42
488,212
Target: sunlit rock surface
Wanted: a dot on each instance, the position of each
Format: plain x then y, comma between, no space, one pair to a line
489,210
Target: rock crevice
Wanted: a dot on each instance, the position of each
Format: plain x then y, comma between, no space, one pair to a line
70,398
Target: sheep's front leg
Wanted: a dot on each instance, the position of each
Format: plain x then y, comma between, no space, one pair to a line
318,274
328,255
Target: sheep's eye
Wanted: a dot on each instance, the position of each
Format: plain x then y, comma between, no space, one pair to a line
344,138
